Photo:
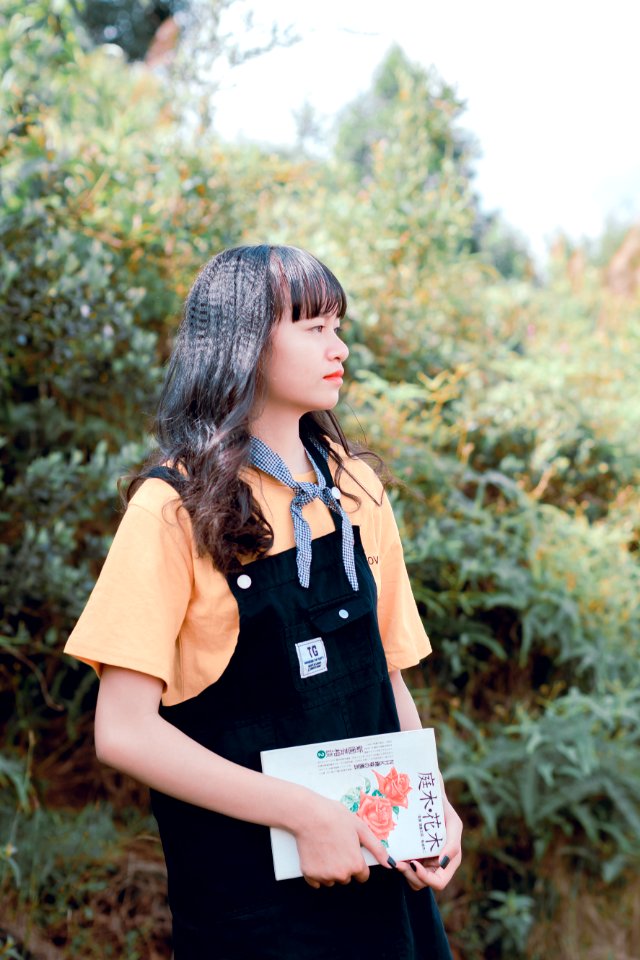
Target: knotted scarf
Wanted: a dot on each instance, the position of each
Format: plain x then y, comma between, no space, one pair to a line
264,458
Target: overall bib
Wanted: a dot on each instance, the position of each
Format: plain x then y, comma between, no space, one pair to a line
225,902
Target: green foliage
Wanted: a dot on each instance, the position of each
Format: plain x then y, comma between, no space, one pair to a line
78,875
505,248
571,763
373,117
9,949
500,402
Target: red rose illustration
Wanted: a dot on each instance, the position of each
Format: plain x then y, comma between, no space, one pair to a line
377,813
395,786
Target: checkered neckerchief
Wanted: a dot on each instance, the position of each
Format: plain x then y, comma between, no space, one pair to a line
263,457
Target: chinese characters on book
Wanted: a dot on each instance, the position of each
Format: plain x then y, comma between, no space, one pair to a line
430,821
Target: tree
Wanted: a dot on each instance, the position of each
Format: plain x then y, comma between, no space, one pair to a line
373,117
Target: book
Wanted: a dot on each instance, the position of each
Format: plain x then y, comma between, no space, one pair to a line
390,780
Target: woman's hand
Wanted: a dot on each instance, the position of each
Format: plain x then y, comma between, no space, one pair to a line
329,842
428,872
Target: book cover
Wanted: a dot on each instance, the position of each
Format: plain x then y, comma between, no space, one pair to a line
389,780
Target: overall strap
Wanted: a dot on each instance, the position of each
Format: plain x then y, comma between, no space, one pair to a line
169,474
321,462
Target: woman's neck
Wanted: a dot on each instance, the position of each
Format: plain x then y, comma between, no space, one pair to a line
282,434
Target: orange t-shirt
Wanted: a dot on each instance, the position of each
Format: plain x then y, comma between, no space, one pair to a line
160,609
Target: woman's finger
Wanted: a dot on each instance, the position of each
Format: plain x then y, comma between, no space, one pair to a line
436,877
450,854
430,872
410,875
430,861
370,841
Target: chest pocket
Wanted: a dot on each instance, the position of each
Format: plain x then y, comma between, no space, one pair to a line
339,614
345,634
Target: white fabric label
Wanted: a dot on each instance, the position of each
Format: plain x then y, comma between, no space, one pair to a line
312,657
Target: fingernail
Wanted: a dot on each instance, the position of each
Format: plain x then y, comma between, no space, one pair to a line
392,862
413,866
444,862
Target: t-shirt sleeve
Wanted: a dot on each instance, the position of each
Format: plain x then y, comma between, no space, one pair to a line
134,614
403,635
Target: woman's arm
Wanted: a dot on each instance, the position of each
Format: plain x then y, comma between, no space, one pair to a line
131,736
407,710
428,872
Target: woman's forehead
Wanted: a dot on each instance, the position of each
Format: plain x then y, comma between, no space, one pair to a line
307,287
317,300
329,316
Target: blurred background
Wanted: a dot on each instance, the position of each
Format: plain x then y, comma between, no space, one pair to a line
471,173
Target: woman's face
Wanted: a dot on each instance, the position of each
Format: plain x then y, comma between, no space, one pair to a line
304,371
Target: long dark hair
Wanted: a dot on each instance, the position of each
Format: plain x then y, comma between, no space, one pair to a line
214,380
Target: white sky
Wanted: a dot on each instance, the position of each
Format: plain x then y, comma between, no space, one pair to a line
552,92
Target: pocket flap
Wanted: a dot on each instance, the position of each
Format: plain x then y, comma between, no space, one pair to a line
340,614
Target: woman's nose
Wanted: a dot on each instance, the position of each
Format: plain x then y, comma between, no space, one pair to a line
339,349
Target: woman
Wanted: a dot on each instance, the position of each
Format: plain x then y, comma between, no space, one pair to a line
257,530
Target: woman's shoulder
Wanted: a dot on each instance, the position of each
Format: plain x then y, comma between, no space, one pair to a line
157,498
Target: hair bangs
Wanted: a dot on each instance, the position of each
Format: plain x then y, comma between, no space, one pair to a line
304,285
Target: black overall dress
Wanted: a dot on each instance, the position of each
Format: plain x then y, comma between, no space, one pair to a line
225,902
